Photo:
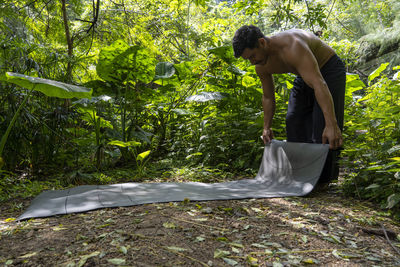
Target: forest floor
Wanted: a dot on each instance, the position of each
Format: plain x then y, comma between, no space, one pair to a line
324,229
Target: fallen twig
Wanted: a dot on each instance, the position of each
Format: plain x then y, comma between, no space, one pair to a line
388,240
380,232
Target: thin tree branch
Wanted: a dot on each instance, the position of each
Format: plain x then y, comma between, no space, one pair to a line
388,240
308,11
345,27
330,11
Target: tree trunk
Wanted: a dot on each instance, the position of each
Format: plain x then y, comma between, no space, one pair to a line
69,41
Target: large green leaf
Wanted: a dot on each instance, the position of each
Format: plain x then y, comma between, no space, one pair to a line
120,62
94,100
223,52
184,71
353,83
236,70
164,70
143,155
90,115
378,71
207,96
48,87
124,144
392,200
105,67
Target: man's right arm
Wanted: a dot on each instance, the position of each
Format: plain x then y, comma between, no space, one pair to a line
268,102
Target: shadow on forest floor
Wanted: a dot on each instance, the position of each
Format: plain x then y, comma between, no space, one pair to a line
325,228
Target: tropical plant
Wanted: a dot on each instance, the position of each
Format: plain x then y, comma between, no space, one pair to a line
373,126
48,87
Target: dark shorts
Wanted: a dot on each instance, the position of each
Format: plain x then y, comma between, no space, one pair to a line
305,121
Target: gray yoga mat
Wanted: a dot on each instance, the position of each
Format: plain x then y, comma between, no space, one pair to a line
287,169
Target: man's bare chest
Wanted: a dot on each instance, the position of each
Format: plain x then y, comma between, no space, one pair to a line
278,65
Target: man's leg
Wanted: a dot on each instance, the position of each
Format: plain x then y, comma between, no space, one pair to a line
334,74
299,120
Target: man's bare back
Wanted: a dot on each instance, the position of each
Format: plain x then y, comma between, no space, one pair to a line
284,49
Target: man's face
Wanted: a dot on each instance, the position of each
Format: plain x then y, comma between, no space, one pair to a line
256,56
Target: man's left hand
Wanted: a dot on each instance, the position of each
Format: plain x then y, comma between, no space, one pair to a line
333,136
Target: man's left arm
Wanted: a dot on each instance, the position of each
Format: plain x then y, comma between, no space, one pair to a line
306,65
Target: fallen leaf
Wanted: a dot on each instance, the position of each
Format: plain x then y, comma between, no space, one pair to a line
84,258
351,244
256,210
371,258
176,249
102,226
268,252
59,228
218,253
230,261
10,219
28,255
201,219
310,261
344,256
235,250
246,227
257,245
169,225
252,261
207,210
199,239
102,235
238,245
116,261
222,239
123,249
335,239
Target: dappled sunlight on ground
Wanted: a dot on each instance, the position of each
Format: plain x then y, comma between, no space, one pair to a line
323,229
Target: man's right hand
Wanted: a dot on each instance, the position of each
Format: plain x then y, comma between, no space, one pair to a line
268,135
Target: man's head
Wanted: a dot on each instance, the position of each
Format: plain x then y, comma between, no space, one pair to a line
246,43
246,37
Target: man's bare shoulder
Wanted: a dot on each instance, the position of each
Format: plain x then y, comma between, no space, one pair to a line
292,44
290,38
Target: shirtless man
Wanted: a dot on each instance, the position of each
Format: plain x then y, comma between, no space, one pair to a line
316,104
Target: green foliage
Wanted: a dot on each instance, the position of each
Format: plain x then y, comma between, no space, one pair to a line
347,51
120,62
373,126
14,187
140,158
48,87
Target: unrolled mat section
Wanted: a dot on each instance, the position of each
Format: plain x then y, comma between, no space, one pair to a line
287,169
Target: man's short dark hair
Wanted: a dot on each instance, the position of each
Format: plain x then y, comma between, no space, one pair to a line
246,37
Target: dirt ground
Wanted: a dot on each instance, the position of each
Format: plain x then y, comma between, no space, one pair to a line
325,229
